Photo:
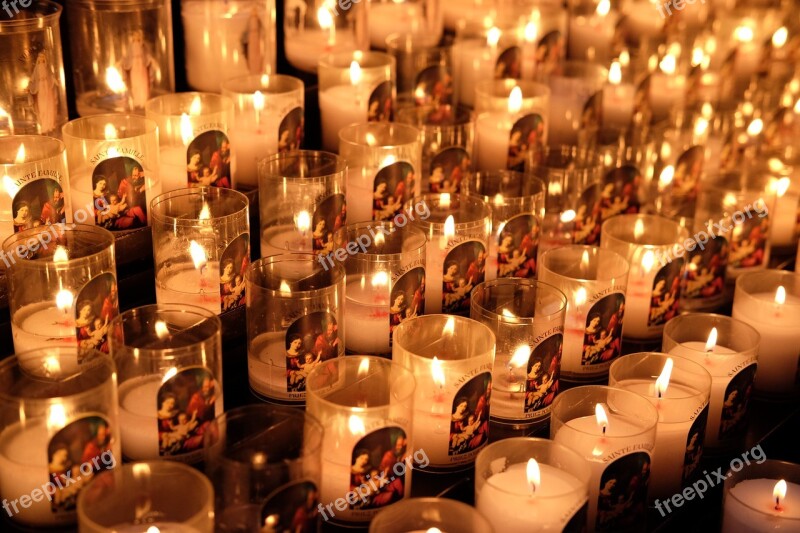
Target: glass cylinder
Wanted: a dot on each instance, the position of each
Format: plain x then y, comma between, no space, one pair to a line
424,514
592,30
201,247
576,92
572,203
365,405
452,359
62,287
424,70
224,39
627,157
169,363
614,431
264,462
527,318
545,38
408,17
517,203
728,349
259,104
193,133
679,388
121,54
354,87
33,99
301,202
312,29
594,281
35,189
384,161
385,282
446,135
458,229
295,322
114,169
145,496
662,92
769,301
59,430
753,500
512,120
781,179
513,500
654,282
703,285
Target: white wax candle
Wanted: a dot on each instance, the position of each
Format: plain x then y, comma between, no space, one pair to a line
778,356
282,239
304,48
474,61
173,169
266,366
367,318
386,18
340,106
783,220
492,138
191,286
506,501
253,142
617,105
753,509
42,325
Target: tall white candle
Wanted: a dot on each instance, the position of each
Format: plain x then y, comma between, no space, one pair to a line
474,61
367,309
343,105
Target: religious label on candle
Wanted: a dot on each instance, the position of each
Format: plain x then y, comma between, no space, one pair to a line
407,297
587,218
694,446
299,498
666,292
688,171
517,244
448,169
749,242
97,304
470,417
208,158
232,266
602,335
509,64
434,86
592,115
186,410
309,341
37,198
549,52
705,271
393,186
622,500
329,216
736,400
119,192
541,382
527,134
291,131
464,267
620,192
373,458
381,103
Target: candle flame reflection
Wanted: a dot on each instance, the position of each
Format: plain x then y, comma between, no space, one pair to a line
530,32
711,343
114,81
603,8
534,475
363,368
187,132
568,216
56,417
667,175
110,132
64,300
380,279
196,106
668,65
141,470
615,73
662,383
449,327
638,229
205,212
153,529
303,221
258,100
198,253
743,34
355,73
444,201
51,366
20,154
356,425
580,296
780,295
169,374
437,372
61,255
755,128
648,261
380,240
601,417
284,288
493,36
161,329
779,493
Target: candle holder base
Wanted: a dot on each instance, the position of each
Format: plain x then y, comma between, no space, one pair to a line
260,396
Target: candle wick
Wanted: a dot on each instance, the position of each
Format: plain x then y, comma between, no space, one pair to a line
778,504
604,431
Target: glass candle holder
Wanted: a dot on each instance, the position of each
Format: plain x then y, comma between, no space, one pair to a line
755,502
517,203
452,359
201,247
301,202
594,281
243,40
384,161
544,35
703,285
157,494
614,431
576,93
778,176
572,203
512,120
654,282
527,318
424,70
409,17
592,30
264,461
679,388
354,87
458,229
295,322
193,134
385,282
627,157
169,363
507,496
447,135
60,424
365,405
728,349
114,169
121,54
741,211
35,184
422,514
31,43
770,302
62,287
259,104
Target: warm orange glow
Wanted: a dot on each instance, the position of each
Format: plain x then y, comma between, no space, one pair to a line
601,417
662,383
437,372
711,343
534,475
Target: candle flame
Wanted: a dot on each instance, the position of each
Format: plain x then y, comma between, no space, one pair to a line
449,227
356,425
568,216
449,326
64,300
667,175
141,470
780,295
56,417
187,132
161,329
303,221
20,158
153,529
498,201
61,254
779,493
707,110
615,73
363,368
601,417
711,343
515,100
433,530
534,475
437,372
493,36
744,34
624,58
380,279
648,261
580,296
371,140
258,101
444,200
198,253
755,127
380,240
797,106
324,18
780,186
668,64
700,126
284,288
169,374
196,106
638,229
663,380
520,357
51,366
779,37
508,314
603,7
205,212
355,73
114,81
110,132
530,32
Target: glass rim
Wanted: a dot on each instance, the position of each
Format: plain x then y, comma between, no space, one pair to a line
607,251
152,106
44,10
679,361
416,116
352,360
333,60
517,282
610,229
675,322
339,162
57,146
337,271
524,178
407,136
149,125
485,208
501,88
745,284
400,331
376,257
590,159
631,397
104,245
175,221
419,43
733,476
293,84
